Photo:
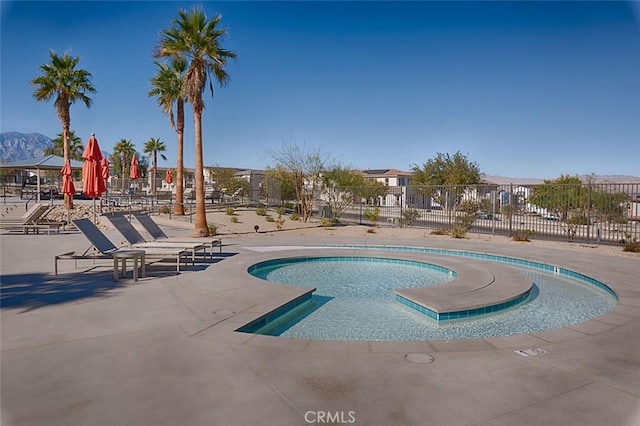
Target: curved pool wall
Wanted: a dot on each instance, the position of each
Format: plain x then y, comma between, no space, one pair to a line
557,270
256,325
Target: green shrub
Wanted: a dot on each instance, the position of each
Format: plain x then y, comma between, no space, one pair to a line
409,216
281,211
165,209
327,223
234,219
269,218
372,215
371,231
213,230
458,231
230,211
260,211
579,219
294,216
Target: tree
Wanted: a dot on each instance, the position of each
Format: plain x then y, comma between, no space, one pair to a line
571,199
123,152
456,171
198,40
167,86
75,146
226,180
343,186
61,79
304,166
152,147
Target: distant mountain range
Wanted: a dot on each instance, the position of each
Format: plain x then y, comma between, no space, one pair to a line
504,180
16,146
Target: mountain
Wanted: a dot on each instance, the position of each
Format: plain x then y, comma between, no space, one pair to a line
16,146
504,180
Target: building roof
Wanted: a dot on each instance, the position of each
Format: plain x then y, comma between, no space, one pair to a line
47,162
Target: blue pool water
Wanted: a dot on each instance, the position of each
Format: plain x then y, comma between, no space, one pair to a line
354,300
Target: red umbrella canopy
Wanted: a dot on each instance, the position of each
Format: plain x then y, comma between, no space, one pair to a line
92,182
168,178
134,172
67,181
104,165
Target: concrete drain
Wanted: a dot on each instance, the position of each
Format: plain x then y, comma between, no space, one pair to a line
419,358
224,312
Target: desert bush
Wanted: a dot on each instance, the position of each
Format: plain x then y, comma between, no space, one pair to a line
327,223
261,211
230,211
630,244
269,218
234,219
440,231
294,216
522,235
371,231
372,215
458,231
213,230
281,211
408,216
578,219
165,209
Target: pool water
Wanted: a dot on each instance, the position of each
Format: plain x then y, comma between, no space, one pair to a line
354,300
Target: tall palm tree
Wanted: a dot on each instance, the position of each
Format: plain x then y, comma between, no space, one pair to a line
152,147
193,37
124,150
61,79
75,146
167,86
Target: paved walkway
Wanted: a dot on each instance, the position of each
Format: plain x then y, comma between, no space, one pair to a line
81,349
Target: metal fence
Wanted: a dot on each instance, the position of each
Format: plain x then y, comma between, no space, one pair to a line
588,213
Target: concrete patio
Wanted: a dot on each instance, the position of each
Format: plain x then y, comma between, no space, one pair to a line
81,349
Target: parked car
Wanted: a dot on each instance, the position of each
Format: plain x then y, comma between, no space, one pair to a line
549,216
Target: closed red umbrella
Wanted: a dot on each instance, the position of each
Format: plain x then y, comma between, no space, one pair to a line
134,171
92,181
168,178
104,165
67,181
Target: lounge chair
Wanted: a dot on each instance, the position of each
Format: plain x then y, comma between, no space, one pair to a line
33,220
136,240
158,235
102,248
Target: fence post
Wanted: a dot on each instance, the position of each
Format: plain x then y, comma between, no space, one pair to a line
511,209
588,212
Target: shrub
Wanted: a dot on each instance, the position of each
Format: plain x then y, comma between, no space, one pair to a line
522,235
281,211
579,219
234,219
294,216
230,211
409,216
165,209
372,215
371,231
440,231
458,231
213,230
327,223
261,211
630,244
269,218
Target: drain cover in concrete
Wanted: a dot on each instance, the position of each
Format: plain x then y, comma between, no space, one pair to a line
419,358
225,312
531,352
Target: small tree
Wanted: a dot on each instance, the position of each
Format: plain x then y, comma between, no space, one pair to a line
304,166
153,147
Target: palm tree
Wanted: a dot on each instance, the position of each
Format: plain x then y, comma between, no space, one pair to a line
167,86
61,79
198,40
152,147
75,146
124,150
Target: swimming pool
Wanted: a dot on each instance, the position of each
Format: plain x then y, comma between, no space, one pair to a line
559,298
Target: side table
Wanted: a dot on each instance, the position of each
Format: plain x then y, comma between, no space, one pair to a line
122,256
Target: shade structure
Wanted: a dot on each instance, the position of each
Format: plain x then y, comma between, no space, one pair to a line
92,181
168,178
134,172
67,180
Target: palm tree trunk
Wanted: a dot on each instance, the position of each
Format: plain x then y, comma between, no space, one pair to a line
201,228
179,208
155,172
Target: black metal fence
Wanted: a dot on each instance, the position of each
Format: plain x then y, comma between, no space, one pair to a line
589,213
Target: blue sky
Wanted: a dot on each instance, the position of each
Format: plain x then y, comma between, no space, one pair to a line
525,89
